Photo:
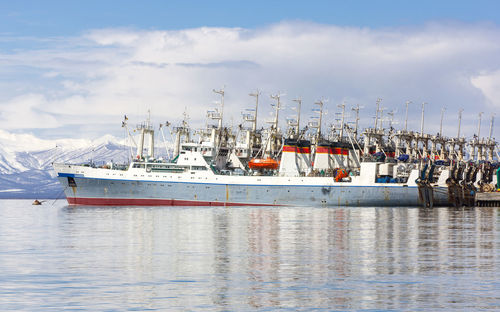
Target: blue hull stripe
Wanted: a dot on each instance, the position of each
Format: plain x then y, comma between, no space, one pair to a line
347,184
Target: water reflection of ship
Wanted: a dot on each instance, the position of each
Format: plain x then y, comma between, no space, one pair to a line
294,257
223,263
264,264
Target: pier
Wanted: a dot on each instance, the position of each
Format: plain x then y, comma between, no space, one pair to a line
490,199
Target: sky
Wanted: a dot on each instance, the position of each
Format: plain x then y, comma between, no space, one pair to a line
72,69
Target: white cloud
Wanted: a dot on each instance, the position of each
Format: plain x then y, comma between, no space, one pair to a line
28,142
97,78
489,84
16,142
27,111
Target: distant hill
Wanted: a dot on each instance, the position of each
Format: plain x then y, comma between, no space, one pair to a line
30,174
26,162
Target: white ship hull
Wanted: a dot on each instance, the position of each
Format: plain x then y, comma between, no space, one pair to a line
97,186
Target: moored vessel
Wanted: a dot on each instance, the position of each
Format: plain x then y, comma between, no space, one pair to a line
270,167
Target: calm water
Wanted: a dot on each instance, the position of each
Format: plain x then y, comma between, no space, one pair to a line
55,257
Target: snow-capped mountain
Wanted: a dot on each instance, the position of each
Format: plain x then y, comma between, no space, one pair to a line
26,162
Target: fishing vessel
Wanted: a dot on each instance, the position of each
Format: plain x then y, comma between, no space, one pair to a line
272,168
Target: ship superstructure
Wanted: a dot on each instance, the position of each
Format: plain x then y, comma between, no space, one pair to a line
221,166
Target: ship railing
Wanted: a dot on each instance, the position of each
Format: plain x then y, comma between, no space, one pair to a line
144,125
166,167
100,165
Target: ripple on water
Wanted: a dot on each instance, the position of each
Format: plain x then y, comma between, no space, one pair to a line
55,257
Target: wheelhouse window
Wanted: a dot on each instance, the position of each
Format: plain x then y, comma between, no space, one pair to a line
201,168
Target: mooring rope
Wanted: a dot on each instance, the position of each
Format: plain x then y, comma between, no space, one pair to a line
57,197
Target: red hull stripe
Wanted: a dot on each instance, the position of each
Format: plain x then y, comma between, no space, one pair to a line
150,202
295,149
340,151
321,149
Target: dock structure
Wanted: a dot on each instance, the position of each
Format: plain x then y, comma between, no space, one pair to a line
490,199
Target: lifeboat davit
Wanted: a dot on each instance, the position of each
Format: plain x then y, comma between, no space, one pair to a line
263,163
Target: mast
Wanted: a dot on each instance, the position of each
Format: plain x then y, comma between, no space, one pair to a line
151,151
318,133
459,142
459,121
391,118
441,124
356,109
297,126
422,121
271,145
256,95
376,112
140,147
221,92
477,143
406,118
491,144
131,138
146,129
423,138
342,121
381,117
166,124
491,126
278,106
180,131
479,125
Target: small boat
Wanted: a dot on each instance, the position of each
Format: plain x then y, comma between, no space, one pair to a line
36,202
263,163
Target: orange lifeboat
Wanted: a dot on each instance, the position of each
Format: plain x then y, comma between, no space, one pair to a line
340,174
263,163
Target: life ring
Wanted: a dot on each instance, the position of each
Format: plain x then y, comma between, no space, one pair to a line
148,169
